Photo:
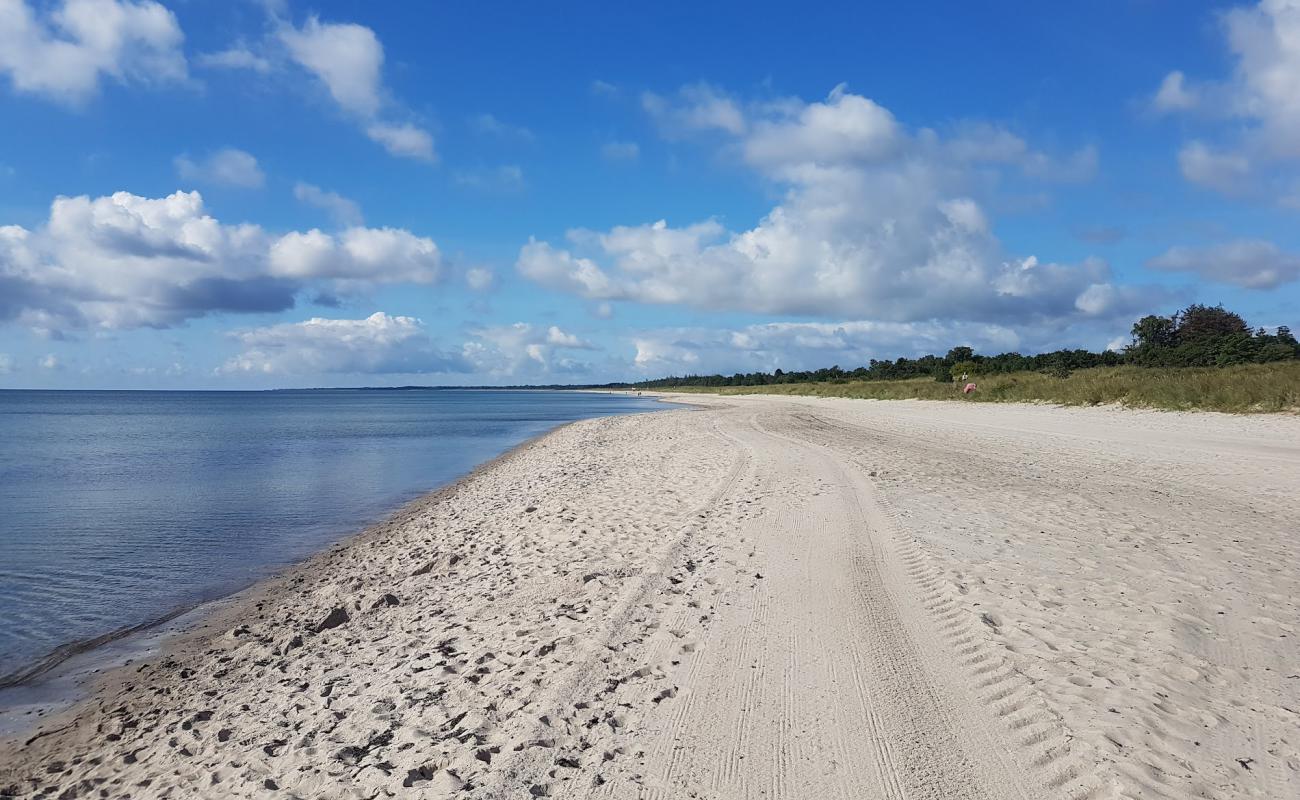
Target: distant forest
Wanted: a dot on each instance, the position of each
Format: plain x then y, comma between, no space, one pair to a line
1197,336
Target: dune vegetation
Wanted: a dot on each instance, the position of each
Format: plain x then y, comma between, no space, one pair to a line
1245,388
1203,358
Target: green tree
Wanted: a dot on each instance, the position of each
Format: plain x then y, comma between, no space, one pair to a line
1237,348
1154,331
959,354
1209,322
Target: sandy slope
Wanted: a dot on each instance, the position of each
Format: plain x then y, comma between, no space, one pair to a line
769,598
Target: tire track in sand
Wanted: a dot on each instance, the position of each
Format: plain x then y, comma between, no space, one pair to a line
1024,728
812,682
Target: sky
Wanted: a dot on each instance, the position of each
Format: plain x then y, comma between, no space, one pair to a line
250,195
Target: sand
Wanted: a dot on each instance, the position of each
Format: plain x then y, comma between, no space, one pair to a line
764,598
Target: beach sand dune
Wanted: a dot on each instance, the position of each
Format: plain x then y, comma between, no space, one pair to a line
763,598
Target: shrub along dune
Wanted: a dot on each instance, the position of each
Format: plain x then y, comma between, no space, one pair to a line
1201,358
1244,388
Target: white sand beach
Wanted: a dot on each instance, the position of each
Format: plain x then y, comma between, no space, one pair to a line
762,598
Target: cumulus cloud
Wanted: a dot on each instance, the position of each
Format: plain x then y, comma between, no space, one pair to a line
64,53
342,210
844,130
1227,172
6,364
378,344
346,57
348,60
694,108
1263,91
1248,263
1174,95
524,348
876,222
125,261
558,338
227,167
480,279
388,255
403,140
1266,83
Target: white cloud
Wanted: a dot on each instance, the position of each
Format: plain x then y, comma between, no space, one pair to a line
659,356
846,129
620,151
604,89
558,338
698,107
1098,299
49,362
6,364
347,58
388,255
480,279
404,140
875,222
1251,264
65,54
966,214
1266,40
238,56
227,167
524,348
1227,172
378,344
1174,95
343,211
1263,91
126,261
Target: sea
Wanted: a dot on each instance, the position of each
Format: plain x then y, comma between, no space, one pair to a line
119,509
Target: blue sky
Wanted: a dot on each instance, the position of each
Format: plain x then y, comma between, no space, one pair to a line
272,194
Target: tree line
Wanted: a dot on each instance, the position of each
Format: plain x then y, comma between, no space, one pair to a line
1197,336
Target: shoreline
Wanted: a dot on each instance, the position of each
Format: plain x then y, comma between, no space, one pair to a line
60,666
804,593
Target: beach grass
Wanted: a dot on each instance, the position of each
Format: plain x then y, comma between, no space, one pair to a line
1246,388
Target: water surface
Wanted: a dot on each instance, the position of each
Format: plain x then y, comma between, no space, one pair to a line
116,507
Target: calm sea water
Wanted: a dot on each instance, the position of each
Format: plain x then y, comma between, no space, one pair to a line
116,507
